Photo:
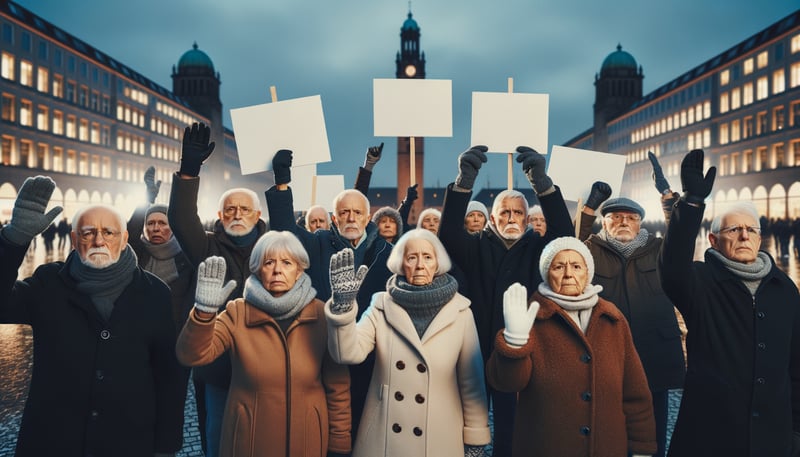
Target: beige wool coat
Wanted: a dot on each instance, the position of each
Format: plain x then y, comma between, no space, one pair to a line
427,396
286,391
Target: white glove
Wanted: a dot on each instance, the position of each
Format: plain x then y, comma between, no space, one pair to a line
518,315
210,293
345,280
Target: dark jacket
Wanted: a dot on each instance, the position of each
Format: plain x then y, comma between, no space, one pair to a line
488,266
742,391
98,387
634,286
198,245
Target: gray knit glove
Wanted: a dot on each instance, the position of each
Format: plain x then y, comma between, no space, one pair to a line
152,186
533,164
474,451
345,280
28,218
373,156
211,294
469,162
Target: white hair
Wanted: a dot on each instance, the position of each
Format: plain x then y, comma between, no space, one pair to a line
278,241
340,196
746,208
123,225
427,212
506,194
314,208
535,209
395,261
243,190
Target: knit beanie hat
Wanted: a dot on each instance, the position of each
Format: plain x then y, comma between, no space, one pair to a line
475,205
562,244
390,212
155,208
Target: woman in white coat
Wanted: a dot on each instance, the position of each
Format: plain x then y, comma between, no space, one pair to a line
427,395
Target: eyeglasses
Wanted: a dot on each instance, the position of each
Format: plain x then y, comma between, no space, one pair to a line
619,217
88,235
231,210
734,231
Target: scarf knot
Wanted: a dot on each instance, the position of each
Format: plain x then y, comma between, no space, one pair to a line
579,307
103,285
422,303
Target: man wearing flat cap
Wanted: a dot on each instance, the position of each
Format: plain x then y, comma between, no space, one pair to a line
626,257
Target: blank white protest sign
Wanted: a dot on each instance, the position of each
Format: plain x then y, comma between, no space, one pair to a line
502,121
575,170
413,107
297,124
302,182
328,187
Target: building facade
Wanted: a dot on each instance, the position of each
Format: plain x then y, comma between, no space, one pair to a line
742,107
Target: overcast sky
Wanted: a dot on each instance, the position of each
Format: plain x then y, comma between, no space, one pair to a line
335,50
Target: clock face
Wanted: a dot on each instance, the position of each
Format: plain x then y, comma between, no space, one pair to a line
411,71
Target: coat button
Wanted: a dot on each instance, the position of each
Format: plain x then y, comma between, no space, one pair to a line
586,396
585,430
99,375
760,380
421,368
94,414
417,431
419,398
762,346
396,428
400,365
105,334
761,314
398,396
586,358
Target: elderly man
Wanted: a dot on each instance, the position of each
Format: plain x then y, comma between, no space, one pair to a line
352,228
317,218
105,377
742,391
625,257
235,232
502,254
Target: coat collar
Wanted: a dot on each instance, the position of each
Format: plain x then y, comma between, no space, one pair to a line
548,309
399,320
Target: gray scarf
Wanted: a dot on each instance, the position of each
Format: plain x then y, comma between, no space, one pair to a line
284,307
625,248
751,274
422,303
103,285
579,308
162,258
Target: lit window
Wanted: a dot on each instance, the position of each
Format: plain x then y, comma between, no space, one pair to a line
762,88
42,79
72,127
778,81
26,113
724,77
795,43
706,109
706,138
58,159
735,131
794,76
762,59
778,118
747,94
7,66
8,110
748,66
42,118
58,123
736,98
58,86
724,103
95,134
724,137
26,73
83,132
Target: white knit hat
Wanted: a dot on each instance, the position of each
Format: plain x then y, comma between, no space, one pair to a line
475,205
562,244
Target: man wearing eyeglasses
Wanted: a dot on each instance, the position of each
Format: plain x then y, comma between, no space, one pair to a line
234,234
625,256
742,391
105,379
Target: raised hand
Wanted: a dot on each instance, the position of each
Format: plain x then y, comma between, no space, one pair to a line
662,185
373,156
345,280
696,187
469,162
282,166
411,194
210,294
518,315
28,218
533,164
599,193
196,148
152,186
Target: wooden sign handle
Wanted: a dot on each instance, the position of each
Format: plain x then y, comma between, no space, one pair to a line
413,162
510,154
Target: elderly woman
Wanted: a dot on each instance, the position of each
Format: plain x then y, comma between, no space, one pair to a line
287,396
427,396
389,222
582,389
476,218
429,219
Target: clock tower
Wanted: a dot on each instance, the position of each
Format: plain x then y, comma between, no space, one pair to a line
410,64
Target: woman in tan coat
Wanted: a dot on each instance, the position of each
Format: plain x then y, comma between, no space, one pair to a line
582,389
427,396
287,396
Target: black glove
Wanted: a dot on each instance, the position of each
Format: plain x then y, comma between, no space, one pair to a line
282,166
469,162
599,193
658,175
696,187
152,186
373,156
196,148
411,194
533,164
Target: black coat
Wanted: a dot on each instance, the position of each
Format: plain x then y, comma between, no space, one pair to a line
742,391
98,387
488,266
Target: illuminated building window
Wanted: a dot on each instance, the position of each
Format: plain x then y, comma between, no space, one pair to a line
747,66
58,86
8,110
83,131
794,75
736,98
26,73
747,94
724,137
42,79
72,127
778,118
7,66
724,77
778,81
58,123
26,113
58,159
42,117
795,43
724,102
735,131
762,88
762,60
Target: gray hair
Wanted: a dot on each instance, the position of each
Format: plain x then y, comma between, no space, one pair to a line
243,190
746,208
506,194
395,261
338,198
428,212
123,224
314,208
278,241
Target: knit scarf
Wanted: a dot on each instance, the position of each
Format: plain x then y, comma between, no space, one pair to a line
751,274
626,248
162,258
579,308
422,303
284,307
103,285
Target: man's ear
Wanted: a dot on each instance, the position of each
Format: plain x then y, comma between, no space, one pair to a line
713,240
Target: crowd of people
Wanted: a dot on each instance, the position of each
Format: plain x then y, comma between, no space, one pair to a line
358,334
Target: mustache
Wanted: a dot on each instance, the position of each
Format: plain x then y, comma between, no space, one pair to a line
101,250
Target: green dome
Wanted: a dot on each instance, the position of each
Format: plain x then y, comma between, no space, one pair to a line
195,58
619,59
410,24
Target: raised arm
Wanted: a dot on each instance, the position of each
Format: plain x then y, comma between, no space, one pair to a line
456,239
554,209
364,175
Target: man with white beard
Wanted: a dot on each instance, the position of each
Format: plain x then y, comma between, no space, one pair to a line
500,255
105,379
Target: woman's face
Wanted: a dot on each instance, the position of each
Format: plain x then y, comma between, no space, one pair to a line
419,262
387,227
279,271
568,274
430,223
